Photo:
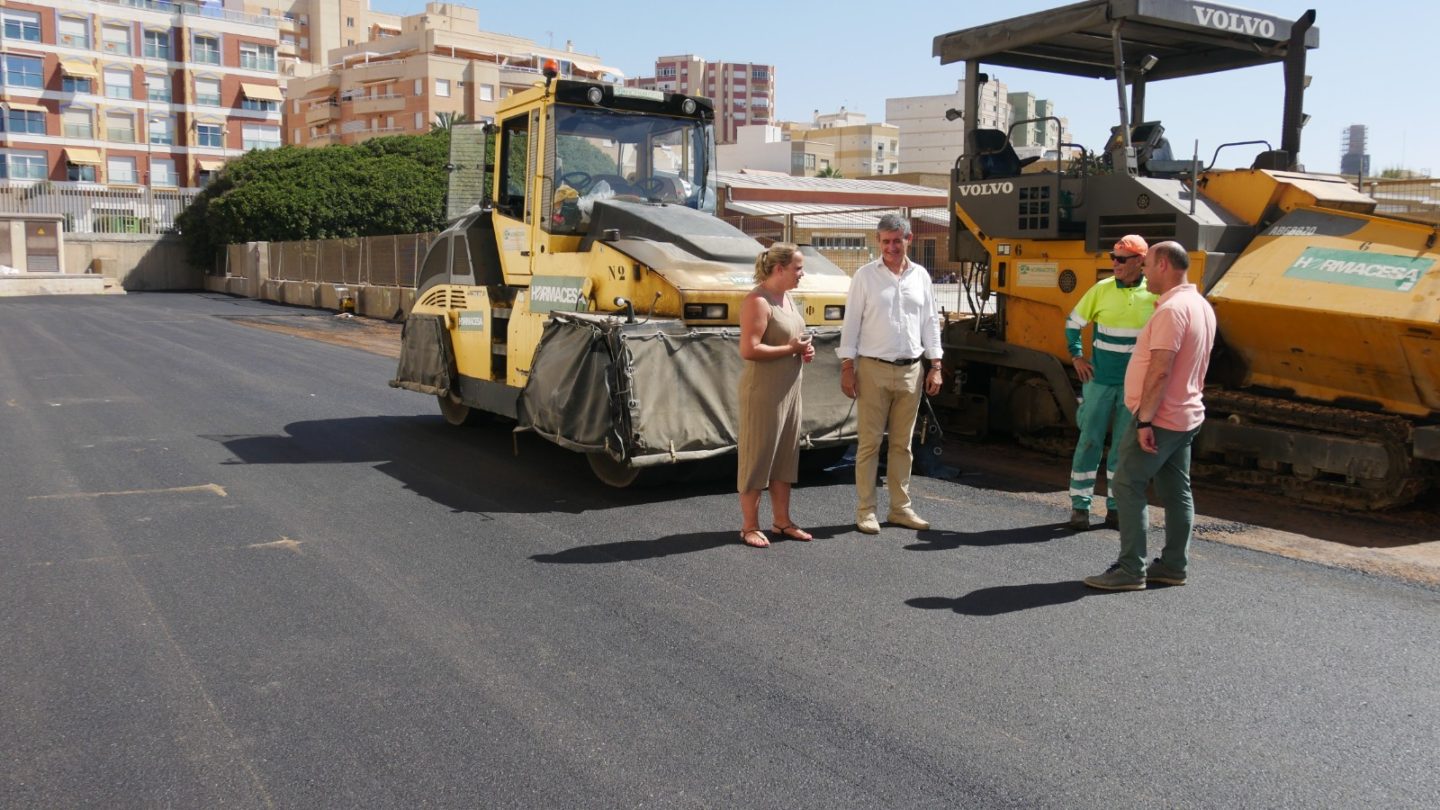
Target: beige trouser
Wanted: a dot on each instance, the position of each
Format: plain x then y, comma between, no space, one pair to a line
888,398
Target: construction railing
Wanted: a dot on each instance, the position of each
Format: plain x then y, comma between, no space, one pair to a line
381,261
1417,198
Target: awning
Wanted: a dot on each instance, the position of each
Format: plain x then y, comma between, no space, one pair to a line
20,105
89,157
79,67
209,165
261,92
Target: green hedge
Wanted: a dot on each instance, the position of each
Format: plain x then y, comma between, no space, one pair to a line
382,186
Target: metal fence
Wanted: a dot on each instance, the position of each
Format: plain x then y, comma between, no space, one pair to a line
1417,198
848,238
382,261
92,208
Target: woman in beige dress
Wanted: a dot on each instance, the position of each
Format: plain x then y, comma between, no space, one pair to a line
774,344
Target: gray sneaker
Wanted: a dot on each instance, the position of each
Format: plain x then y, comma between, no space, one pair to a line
1079,520
1164,574
1116,578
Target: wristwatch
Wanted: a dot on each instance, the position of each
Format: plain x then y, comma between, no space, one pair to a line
1139,425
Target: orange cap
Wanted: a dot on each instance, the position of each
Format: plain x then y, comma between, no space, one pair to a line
1132,244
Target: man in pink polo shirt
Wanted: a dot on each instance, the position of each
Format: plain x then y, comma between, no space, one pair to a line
1163,386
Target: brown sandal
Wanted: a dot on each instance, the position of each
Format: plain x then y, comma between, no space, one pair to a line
794,533
745,537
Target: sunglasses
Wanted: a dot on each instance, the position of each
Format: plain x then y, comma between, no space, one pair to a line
1117,257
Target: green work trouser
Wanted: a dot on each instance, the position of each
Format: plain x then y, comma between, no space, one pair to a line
1169,468
1102,410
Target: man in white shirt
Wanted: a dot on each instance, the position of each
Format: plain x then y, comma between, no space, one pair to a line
889,349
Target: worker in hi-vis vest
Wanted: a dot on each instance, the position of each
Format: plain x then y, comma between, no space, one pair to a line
1118,306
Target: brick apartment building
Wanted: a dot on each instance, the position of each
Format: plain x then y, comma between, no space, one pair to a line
140,93
743,93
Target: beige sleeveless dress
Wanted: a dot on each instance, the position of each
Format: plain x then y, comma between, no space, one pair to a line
769,442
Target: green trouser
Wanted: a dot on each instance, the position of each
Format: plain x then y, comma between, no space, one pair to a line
1102,407
1169,468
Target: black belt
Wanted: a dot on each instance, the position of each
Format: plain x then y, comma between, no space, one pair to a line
904,361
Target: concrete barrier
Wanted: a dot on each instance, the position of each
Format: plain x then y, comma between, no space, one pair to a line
134,262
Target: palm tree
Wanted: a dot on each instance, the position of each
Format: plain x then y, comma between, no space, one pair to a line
830,171
445,121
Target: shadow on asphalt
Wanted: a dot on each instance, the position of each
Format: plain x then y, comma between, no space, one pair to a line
633,550
933,540
1009,598
482,469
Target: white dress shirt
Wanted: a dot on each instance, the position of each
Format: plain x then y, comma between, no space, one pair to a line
890,317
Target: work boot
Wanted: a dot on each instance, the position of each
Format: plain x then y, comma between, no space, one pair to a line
1116,578
1112,520
906,517
867,524
1164,574
1079,520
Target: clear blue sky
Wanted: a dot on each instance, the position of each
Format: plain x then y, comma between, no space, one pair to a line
1375,64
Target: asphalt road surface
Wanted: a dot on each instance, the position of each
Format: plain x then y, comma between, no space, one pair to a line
236,569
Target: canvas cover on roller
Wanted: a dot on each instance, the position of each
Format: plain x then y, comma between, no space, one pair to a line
426,362
652,395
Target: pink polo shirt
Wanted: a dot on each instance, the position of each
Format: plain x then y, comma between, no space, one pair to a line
1185,324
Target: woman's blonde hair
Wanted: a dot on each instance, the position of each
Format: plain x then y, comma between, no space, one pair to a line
772,257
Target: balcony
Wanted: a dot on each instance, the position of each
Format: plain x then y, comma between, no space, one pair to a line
320,113
378,104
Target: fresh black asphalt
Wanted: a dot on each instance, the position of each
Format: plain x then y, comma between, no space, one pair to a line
238,570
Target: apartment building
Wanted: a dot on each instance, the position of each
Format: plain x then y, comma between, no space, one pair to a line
861,149
142,93
1043,130
929,140
768,148
743,93
411,69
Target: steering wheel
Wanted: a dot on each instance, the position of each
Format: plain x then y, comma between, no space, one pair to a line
653,187
617,184
580,181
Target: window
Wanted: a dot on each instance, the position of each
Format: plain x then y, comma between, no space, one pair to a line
260,136
809,161
207,91
22,25
161,130
75,32
157,87
120,127
77,124
487,92
666,73
121,170
760,74
115,39
259,104
157,44
209,135
515,148
442,87
162,172
26,166
206,49
80,172
257,57
30,121
420,121
419,87
23,71
349,22
75,84
838,242
117,84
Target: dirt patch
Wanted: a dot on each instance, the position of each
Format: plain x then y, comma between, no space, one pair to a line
365,334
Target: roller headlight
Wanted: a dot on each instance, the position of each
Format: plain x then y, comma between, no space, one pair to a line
707,312
688,106
595,94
